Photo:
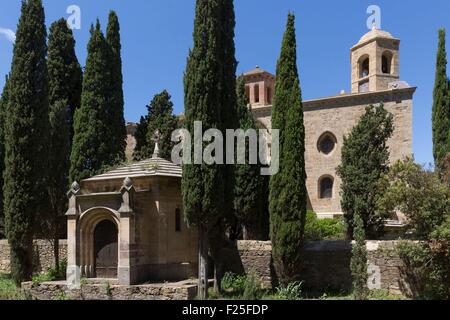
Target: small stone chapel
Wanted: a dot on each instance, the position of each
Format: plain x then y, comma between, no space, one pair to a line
127,225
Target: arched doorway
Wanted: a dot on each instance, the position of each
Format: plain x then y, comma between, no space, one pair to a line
106,250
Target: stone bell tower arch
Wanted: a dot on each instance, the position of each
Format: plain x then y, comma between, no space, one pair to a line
375,62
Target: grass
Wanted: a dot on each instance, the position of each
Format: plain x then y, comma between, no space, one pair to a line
375,295
8,289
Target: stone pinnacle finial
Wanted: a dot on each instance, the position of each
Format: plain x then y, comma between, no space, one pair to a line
75,186
156,138
128,182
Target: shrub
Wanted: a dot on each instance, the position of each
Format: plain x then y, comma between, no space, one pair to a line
426,270
292,291
233,283
323,229
52,274
8,289
252,288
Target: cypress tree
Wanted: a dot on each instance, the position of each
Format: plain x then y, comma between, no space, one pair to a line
205,86
65,80
3,105
229,95
248,181
116,122
141,139
365,157
358,264
90,149
26,138
441,105
161,118
288,196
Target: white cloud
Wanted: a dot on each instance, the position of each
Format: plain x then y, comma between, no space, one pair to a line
9,34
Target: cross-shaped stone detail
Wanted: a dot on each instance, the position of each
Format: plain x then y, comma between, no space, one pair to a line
156,138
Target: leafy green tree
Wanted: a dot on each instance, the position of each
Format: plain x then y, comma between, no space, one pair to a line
441,105
249,188
90,148
117,132
209,87
425,201
65,81
365,158
288,195
160,118
3,105
418,194
26,138
358,263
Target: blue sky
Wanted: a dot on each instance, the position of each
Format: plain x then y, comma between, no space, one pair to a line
157,34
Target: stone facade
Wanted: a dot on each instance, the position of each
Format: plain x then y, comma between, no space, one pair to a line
44,258
105,291
330,119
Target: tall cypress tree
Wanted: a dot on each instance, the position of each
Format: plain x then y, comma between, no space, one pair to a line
358,264
441,105
3,105
205,97
229,95
288,194
26,138
65,81
117,130
365,158
248,181
90,148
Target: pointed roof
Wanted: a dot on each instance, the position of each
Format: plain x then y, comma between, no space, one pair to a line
154,167
257,71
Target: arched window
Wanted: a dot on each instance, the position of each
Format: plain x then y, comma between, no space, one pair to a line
327,142
177,220
326,187
256,92
364,68
386,62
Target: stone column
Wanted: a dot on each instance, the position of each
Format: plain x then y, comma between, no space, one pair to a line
126,269
73,239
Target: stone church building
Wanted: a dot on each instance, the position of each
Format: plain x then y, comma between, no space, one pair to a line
127,224
375,79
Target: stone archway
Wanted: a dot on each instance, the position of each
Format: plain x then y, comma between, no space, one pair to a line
106,250
95,221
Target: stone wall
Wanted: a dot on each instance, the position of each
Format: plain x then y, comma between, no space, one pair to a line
326,265
43,255
256,257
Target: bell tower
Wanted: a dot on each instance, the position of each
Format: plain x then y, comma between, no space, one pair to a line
259,87
375,62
